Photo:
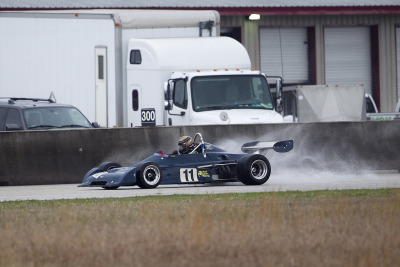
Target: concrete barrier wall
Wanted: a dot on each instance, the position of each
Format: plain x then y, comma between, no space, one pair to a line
56,157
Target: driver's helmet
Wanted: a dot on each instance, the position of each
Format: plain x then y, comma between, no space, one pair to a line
185,144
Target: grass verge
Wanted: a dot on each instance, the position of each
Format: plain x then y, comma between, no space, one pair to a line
335,228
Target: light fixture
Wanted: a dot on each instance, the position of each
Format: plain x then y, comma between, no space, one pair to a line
254,17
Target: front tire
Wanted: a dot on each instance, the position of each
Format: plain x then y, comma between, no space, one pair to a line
253,169
106,166
149,175
110,188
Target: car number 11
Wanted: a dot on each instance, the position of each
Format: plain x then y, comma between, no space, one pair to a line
188,175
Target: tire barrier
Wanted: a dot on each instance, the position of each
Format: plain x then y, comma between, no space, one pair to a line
60,157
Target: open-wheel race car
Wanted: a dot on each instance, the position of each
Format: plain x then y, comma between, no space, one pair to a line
206,163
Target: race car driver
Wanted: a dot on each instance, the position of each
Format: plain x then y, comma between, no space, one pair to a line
186,145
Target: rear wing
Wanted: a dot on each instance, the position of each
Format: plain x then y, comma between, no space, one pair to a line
258,146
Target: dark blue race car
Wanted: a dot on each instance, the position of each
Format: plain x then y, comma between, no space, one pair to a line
205,164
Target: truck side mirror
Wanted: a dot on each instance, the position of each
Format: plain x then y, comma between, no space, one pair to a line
278,88
168,103
279,95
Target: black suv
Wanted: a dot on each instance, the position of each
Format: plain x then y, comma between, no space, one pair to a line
39,114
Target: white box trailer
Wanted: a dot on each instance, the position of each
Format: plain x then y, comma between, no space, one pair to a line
80,56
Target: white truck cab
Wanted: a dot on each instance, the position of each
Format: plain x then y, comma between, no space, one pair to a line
219,97
193,81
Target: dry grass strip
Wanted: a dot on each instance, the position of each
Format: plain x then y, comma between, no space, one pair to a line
347,228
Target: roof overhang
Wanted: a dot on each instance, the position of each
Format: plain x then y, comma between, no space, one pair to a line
282,11
266,11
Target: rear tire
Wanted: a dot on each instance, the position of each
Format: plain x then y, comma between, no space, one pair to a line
149,175
253,169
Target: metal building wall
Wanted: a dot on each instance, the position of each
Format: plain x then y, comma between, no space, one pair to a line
386,35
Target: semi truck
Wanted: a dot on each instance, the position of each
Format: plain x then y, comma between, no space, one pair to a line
125,68
206,80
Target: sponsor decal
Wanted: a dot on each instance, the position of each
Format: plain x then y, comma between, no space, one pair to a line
203,174
97,175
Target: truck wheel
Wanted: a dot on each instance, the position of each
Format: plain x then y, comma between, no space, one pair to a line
149,175
253,169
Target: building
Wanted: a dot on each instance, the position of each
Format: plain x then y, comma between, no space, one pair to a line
305,42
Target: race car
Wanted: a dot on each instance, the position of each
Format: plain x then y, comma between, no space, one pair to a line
206,163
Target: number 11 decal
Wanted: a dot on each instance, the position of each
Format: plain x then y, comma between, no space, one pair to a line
188,175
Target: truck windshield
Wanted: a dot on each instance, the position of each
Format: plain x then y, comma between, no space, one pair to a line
55,117
230,92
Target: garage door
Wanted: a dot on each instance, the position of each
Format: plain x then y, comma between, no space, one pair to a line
398,60
348,56
283,52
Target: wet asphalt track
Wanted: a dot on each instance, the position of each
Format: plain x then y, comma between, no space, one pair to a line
291,181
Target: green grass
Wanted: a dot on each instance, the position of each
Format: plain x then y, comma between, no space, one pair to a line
319,228
230,196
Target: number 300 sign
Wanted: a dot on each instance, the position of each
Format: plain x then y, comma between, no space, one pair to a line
148,117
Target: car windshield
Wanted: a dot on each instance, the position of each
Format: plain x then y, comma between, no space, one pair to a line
55,117
230,92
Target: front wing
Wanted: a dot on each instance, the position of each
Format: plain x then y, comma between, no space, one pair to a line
111,178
